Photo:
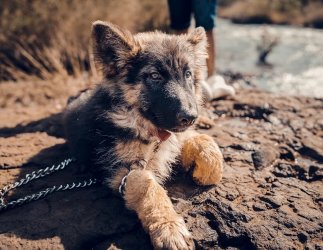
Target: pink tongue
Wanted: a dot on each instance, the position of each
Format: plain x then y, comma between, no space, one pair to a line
163,134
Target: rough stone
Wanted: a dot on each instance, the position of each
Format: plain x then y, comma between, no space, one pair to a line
271,195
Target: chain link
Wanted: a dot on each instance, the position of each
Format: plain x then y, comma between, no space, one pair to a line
43,193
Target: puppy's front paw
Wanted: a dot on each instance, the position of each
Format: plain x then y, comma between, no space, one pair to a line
208,159
172,235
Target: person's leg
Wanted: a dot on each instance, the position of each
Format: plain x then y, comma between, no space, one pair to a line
180,15
205,13
211,61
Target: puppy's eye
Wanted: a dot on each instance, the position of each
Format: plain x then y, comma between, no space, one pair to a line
155,76
188,74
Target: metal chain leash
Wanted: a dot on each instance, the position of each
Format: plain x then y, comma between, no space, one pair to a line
43,193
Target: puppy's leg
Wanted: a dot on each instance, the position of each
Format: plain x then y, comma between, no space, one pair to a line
166,228
202,151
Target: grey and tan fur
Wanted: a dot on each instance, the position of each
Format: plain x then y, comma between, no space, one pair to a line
140,118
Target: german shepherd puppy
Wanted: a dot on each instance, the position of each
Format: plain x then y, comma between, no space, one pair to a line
138,122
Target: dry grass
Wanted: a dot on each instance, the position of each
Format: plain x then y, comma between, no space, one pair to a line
40,39
294,12
314,15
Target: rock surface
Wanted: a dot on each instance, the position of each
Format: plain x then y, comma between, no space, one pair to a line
271,195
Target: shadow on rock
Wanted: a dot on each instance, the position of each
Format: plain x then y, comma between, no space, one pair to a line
52,125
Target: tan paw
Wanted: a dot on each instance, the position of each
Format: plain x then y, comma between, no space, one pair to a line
172,235
204,153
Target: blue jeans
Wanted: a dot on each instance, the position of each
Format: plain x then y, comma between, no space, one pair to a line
181,10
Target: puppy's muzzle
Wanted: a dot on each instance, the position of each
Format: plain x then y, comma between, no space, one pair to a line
185,119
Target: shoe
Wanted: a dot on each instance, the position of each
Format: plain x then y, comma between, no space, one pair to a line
217,88
207,91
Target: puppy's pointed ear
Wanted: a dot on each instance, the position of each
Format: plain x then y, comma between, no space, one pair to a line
197,38
112,47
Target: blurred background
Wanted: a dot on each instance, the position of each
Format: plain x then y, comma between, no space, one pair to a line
276,45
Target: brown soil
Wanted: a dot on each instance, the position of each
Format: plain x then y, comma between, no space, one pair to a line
271,195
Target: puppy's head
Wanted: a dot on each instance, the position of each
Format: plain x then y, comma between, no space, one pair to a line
157,73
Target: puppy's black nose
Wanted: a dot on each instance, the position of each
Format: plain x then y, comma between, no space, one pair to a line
185,119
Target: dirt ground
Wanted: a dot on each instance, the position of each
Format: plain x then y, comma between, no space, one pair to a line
271,196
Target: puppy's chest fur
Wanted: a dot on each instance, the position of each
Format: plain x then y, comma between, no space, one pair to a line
147,150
